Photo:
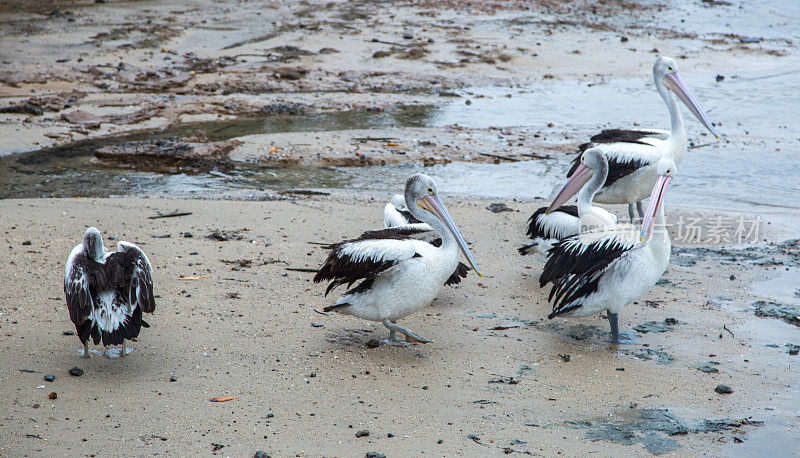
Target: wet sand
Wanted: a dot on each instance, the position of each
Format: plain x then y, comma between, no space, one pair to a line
497,378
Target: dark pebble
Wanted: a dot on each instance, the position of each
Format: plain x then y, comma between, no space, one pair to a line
375,455
187,235
390,435
565,358
68,333
316,325
440,441
374,343
260,454
425,387
733,277
623,39
49,378
26,243
173,379
723,389
362,433
76,371
408,36
53,395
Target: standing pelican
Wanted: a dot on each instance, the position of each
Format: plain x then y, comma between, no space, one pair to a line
108,291
550,224
398,274
633,154
608,268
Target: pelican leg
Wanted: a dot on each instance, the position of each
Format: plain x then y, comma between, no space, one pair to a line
122,353
616,336
410,335
640,209
631,212
86,353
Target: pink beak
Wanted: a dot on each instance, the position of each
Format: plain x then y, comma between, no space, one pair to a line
574,184
656,198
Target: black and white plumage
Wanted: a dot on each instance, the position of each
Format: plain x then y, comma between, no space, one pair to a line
397,274
550,224
606,269
396,213
107,292
633,154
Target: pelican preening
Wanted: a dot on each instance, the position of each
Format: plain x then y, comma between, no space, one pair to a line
605,269
396,213
398,274
550,224
107,292
633,154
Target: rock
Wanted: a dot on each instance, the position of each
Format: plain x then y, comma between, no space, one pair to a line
68,333
373,343
375,455
381,54
282,109
362,433
76,371
49,378
27,243
261,454
173,379
169,155
792,349
53,395
499,207
708,367
723,389
224,236
83,118
771,309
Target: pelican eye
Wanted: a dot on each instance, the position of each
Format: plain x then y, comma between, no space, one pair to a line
430,190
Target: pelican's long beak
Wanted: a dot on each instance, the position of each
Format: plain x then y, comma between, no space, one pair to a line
674,83
656,198
432,204
574,184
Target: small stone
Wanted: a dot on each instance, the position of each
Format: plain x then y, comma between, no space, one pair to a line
53,395
408,36
173,379
260,454
187,235
425,387
440,441
316,325
76,371
623,39
49,378
733,277
26,243
375,455
36,405
390,435
720,78
68,333
362,433
565,358
374,343
723,389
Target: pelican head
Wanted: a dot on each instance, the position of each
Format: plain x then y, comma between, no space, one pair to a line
399,202
592,160
666,171
423,202
665,73
93,244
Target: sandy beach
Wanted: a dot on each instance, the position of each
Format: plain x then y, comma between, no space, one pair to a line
497,378
275,109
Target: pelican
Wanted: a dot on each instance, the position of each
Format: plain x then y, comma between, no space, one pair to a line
107,292
396,213
550,224
633,154
606,269
398,274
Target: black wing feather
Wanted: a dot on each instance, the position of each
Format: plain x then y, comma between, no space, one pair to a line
460,272
86,278
616,169
575,273
130,273
535,226
342,269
